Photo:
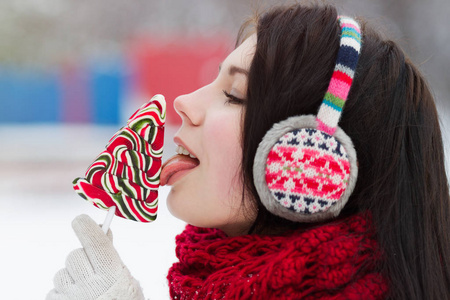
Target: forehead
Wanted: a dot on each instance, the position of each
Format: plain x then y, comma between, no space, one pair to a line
242,56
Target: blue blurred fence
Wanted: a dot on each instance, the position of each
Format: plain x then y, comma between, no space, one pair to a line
27,96
92,94
107,86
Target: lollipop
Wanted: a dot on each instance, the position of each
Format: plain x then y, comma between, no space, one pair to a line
124,178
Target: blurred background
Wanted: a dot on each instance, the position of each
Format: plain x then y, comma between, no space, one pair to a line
71,73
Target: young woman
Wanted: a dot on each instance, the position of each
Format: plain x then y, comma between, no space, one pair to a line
377,222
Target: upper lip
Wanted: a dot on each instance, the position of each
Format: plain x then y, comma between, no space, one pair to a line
178,141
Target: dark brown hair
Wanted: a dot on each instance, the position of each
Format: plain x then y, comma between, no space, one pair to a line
391,118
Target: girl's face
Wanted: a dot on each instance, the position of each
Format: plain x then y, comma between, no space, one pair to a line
207,191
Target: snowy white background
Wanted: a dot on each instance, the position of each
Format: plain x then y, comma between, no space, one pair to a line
37,205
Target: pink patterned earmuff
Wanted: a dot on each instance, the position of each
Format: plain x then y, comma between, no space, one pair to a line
305,168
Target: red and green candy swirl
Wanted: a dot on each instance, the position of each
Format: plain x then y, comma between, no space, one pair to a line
126,174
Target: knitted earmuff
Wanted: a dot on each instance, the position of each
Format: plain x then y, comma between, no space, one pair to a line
305,167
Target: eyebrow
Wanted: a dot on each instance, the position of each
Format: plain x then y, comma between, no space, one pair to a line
234,69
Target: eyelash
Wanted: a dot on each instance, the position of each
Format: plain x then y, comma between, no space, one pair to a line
233,99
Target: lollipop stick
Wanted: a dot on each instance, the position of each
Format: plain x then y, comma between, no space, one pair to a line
108,219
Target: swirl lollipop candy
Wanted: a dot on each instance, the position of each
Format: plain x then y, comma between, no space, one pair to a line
124,178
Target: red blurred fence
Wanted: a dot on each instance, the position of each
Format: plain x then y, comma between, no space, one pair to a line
176,66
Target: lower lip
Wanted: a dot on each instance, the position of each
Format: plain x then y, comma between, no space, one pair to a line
177,176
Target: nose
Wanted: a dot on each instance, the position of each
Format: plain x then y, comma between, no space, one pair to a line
189,107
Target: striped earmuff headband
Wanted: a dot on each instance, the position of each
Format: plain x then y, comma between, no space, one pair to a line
341,81
305,167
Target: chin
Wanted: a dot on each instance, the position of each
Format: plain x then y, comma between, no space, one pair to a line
171,206
176,208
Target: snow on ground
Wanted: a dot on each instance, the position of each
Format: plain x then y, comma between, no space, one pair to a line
37,205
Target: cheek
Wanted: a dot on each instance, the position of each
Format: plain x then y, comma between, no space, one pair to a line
225,152
212,195
223,131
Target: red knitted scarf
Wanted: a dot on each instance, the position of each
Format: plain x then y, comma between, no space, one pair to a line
333,261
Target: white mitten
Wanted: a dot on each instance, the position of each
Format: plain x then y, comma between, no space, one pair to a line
94,271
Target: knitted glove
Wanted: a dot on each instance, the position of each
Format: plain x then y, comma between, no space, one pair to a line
94,271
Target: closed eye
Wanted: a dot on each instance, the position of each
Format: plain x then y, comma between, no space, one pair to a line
233,99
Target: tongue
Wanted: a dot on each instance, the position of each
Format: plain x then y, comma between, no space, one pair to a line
175,164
